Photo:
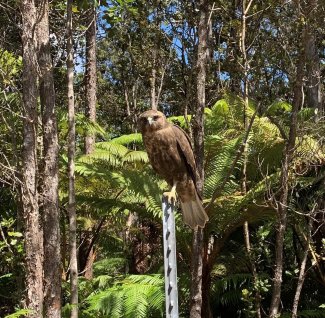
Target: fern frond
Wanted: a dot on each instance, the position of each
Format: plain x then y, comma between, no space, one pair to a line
219,158
113,148
135,296
108,206
128,139
19,313
306,114
109,266
309,150
83,125
136,156
279,108
228,290
230,211
180,121
103,281
100,155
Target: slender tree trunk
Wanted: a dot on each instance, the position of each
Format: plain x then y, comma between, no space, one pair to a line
302,270
198,131
196,273
234,51
71,168
313,71
50,208
246,66
91,76
31,217
86,265
253,269
313,92
282,204
86,254
206,287
153,82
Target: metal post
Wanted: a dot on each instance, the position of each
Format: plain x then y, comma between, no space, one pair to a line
170,263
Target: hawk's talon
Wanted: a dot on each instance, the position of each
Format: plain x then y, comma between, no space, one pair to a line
171,196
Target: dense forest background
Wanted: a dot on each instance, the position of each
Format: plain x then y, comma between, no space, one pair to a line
80,207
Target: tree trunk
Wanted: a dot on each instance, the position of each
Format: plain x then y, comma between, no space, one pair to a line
313,92
196,273
283,197
86,254
302,270
153,82
206,286
71,168
313,72
86,265
246,67
91,76
198,131
31,218
50,208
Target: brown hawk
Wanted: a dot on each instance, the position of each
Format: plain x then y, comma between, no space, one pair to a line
171,156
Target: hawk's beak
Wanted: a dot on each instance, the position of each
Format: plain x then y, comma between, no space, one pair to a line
150,120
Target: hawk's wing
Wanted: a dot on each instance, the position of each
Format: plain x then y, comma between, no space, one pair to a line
186,151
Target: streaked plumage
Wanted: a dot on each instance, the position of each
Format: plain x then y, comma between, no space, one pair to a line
171,156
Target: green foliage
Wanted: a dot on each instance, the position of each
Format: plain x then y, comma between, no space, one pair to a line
10,67
134,296
180,121
12,241
11,256
309,313
219,156
279,108
83,126
119,181
128,139
114,12
228,290
116,181
19,313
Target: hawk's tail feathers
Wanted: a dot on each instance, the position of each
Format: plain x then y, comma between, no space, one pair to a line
194,214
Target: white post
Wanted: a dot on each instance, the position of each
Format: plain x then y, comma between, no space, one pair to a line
170,262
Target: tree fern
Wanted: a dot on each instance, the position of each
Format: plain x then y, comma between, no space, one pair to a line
279,108
230,211
109,266
134,296
228,290
83,125
219,157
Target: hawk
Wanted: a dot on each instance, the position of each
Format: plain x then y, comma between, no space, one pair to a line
171,156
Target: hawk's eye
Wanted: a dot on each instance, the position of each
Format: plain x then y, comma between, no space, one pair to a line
155,117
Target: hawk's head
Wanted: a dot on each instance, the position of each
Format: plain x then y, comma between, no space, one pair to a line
152,120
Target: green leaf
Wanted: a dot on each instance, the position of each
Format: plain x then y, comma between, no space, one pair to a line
221,108
75,9
15,234
278,108
19,313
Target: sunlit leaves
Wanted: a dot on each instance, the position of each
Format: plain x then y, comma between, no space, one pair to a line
134,296
10,67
